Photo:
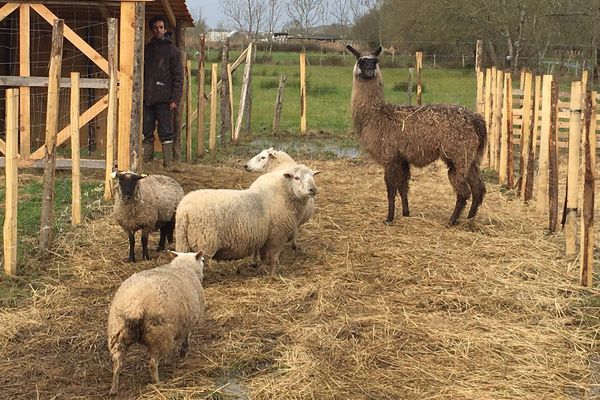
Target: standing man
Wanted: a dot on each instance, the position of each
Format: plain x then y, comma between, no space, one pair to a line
163,86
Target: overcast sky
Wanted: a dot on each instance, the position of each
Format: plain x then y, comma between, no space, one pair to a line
211,11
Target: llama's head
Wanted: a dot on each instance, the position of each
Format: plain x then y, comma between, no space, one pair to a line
367,66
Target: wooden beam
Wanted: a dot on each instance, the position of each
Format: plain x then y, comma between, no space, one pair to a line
61,163
135,138
75,172
74,38
86,117
169,11
24,70
126,49
244,94
111,118
9,231
7,9
42,81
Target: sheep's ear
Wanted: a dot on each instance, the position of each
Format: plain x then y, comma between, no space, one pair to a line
377,52
316,173
351,50
114,174
288,175
272,155
199,255
143,176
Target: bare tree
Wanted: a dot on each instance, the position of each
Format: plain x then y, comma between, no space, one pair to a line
247,15
304,13
274,12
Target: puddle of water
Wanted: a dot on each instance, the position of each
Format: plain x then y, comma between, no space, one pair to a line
307,147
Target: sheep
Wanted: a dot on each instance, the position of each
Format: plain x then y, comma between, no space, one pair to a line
233,224
146,202
157,308
399,136
272,160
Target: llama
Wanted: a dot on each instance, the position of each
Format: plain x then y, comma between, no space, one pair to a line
400,136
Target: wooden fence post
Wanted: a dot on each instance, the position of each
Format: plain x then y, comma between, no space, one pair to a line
245,95
573,169
528,187
525,133
480,107
51,131
498,114
542,178
188,111
12,189
419,67
537,112
212,138
24,91
111,117
553,160
279,102
75,164
506,172
201,94
225,106
488,113
409,89
478,55
587,216
303,93
230,90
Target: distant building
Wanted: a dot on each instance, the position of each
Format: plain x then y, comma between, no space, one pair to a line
217,35
280,37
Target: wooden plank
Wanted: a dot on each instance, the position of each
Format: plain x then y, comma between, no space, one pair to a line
526,131
499,102
504,138
111,117
212,138
75,156
201,106
86,117
542,178
74,38
169,11
42,81
480,83
419,69
24,92
279,102
553,163
230,91
3,144
7,9
586,256
9,230
126,49
188,107
573,169
244,93
303,93
537,116
478,55
61,163
137,82
487,112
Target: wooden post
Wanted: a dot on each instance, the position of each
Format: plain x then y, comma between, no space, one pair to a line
135,137
542,178
525,132
188,113
522,79
553,160
498,114
528,188
587,216
111,117
537,113
480,107
409,89
573,169
506,172
75,165
488,113
478,55
245,94
212,138
24,91
230,80
419,67
126,50
178,112
201,94
226,126
303,93
12,188
493,119
51,131
279,103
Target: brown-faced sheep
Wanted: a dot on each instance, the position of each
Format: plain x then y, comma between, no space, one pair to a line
400,136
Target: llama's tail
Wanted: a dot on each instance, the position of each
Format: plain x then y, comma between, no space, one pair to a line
481,132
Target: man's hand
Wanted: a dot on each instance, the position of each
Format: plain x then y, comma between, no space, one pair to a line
172,106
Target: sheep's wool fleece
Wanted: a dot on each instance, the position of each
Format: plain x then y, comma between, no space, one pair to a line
154,203
169,300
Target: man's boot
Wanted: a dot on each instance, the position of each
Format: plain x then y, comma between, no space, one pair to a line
167,150
148,151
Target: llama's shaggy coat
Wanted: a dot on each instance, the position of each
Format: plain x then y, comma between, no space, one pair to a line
146,203
157,308
399,136
233,224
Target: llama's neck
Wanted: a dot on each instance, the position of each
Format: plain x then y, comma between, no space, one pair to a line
367,96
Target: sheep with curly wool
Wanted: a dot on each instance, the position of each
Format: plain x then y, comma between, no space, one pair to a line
233,224
157,308
146,203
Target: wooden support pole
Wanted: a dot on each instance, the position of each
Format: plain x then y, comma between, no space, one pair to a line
528,188
24,91
11,199
573,169
46,219
537,114
75,157
212,139
226,127
303,93
111,117
480,102
542,177
201,94
478,55
419,67
493,120
553,160
135,137
409,89
180,32
487,113
126,50
525,131
505,174
243,112
188,111
230,81
499,101
586,257
279,103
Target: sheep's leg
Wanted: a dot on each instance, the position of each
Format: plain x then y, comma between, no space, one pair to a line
403,179
477,190
153,365
118,359
131,246
392,189
145,254
170,229
462,193
163,238
185,346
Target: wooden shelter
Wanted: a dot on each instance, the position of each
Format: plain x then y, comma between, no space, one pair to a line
25,33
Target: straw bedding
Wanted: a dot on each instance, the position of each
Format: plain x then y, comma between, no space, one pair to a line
488,309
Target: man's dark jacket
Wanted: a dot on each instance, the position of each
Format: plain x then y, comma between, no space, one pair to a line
163,72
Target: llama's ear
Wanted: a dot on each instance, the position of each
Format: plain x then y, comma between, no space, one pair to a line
351,50
377,52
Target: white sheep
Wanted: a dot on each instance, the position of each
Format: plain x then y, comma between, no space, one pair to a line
157,308
233,224
270,160
146,202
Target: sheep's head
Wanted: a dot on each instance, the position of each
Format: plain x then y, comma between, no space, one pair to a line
260,162
302,181
367,66
190,260
127,183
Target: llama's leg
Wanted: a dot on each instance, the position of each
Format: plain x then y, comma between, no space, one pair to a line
391,180
403,180
477,189
461,188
